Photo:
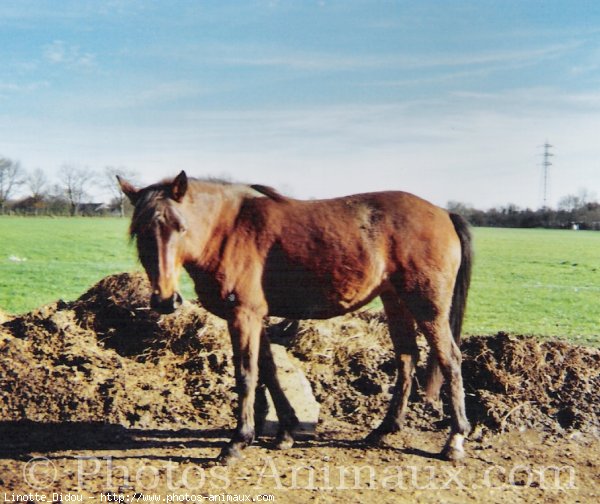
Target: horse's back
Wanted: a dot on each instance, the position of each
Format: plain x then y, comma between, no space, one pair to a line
328,257
391,222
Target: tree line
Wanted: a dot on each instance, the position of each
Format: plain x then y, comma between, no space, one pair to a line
574,211
69,194
24,192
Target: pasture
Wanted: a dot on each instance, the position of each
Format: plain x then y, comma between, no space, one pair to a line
102,378
538,282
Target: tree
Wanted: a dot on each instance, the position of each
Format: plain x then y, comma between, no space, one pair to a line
112,185
57,204
11,177
573,202
466,210
74,182
37,183
458,207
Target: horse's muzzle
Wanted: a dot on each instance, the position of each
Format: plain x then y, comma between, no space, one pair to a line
166,306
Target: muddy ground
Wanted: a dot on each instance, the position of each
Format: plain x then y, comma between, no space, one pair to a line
102,399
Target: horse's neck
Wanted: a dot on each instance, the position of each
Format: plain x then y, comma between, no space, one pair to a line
214,216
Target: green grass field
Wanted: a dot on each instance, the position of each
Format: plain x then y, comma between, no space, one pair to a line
536,281
540,282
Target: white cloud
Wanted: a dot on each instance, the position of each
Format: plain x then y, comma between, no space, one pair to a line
11,88
61,53
139,96
282,57
303,60
539,99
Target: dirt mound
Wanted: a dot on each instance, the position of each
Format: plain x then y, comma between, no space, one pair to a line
524,382
107,358
511,382
349,361
4,317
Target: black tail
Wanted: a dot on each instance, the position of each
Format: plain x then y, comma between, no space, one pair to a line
459,302
463,279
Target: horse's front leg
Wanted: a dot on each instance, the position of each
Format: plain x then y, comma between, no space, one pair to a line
288,421
245,329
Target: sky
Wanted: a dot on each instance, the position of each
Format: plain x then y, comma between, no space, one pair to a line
450,100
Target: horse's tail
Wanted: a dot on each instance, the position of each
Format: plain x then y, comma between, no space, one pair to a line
459,303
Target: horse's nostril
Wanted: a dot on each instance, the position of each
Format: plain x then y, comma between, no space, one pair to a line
166,306
177,300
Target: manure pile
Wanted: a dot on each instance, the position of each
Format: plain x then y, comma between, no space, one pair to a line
107,358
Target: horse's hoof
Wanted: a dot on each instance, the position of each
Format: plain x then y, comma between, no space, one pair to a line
454,448
452,454
229,456
376,440
284,441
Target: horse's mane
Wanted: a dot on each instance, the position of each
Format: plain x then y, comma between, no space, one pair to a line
144,212
267,191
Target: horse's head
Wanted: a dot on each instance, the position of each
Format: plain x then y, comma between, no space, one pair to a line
159,227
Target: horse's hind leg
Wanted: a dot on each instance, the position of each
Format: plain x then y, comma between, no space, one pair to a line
285,412
439,336
403,333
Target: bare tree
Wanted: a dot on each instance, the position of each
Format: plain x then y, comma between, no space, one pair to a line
74,182
569,203
112,185
11,177
573,202
37,183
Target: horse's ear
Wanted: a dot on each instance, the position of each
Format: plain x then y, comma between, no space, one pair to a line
129,191
179,187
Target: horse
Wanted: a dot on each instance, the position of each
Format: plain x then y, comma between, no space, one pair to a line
252,253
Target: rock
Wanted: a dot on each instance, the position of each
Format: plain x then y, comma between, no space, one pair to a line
297,389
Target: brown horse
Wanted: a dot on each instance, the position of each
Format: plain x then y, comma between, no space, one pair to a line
252,252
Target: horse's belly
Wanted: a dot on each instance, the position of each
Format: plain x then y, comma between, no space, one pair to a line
312,311
321,286
296,308
302,299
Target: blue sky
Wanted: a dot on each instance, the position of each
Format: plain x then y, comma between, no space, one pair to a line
450,100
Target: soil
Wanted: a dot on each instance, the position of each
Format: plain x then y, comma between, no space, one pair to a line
102,398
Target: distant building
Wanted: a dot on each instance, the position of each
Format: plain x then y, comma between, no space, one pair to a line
93,209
